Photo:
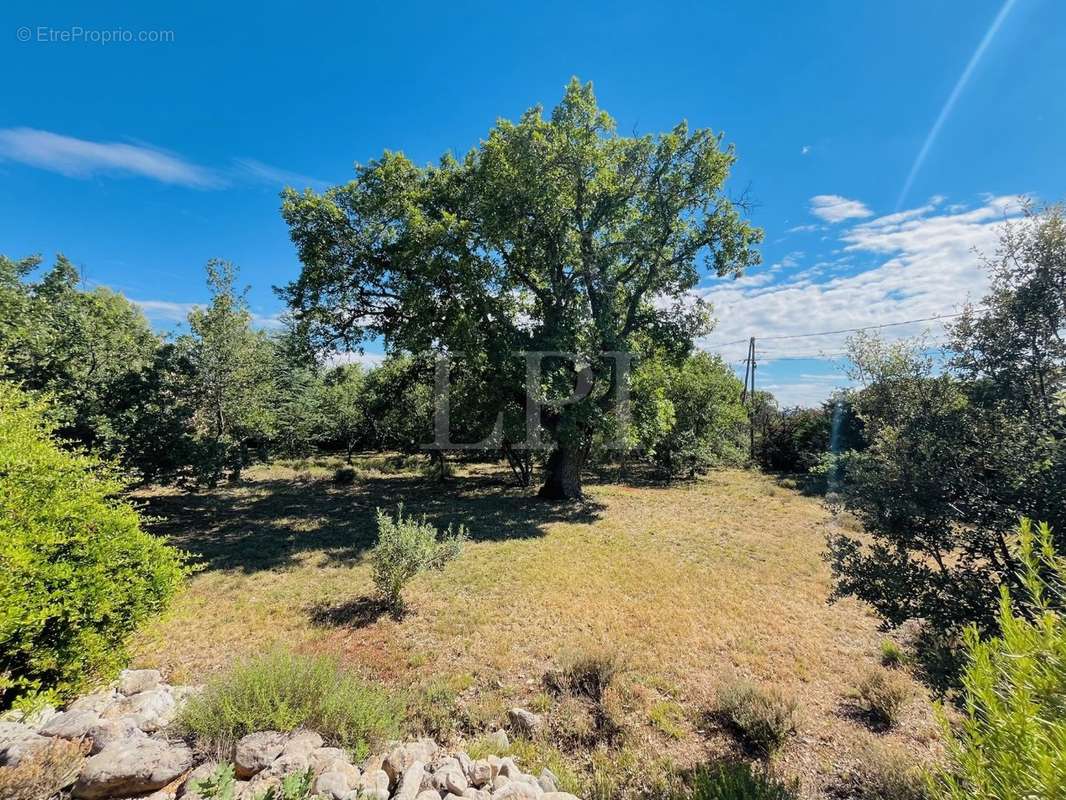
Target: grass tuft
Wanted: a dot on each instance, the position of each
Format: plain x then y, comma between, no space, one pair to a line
882,695
765,718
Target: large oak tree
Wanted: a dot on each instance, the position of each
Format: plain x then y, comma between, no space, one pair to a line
555,235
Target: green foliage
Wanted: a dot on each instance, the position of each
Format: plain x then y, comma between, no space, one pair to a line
883,694
232,390
283,691
407,546
765,718
688,418
738,781
892,654
77,573
1011,745
90,351
221,785
446,256
958,451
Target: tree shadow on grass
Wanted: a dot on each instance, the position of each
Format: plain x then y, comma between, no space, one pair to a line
356,613
267,521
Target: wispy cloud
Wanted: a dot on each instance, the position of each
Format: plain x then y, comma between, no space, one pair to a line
164,311
81,158
275,176
805,150
834,208
953,98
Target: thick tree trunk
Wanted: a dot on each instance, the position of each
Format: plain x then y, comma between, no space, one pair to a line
563,479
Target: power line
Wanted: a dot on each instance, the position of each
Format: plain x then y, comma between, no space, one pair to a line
781,337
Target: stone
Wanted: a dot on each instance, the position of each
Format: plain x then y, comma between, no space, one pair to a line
450,778
428,794
131,766
374,784
404,755
99,702
205,770
525,722
17,741
151,710
479,773
303,743
72,724
519,790
410,783
135,681
547,780
558,796
332,786
322,759
257,751
107,731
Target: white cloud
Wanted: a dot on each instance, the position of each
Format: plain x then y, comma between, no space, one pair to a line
926,262
834,208
164,311
80,158
351,357
806,149
265,173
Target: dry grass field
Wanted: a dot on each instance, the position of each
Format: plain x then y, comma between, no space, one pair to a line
690,586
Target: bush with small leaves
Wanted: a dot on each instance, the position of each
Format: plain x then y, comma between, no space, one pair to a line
78,574
1011,744
283,691
765,718
883,694
406,547
739,781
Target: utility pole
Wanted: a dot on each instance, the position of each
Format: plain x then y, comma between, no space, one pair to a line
749,393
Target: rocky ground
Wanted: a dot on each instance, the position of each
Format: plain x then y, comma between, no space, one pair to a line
129,753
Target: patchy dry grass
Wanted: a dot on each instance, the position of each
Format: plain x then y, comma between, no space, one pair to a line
695,585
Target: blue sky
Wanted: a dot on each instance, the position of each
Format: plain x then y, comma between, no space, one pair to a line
141,160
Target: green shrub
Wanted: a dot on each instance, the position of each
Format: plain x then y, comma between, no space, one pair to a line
406,547
1012,741
892,654
882,695
738,781
765,718
77,572
221,785
283,691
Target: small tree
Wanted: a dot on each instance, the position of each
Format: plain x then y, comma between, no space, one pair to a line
232,386
406,547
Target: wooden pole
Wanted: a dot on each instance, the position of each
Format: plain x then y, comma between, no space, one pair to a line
751,408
